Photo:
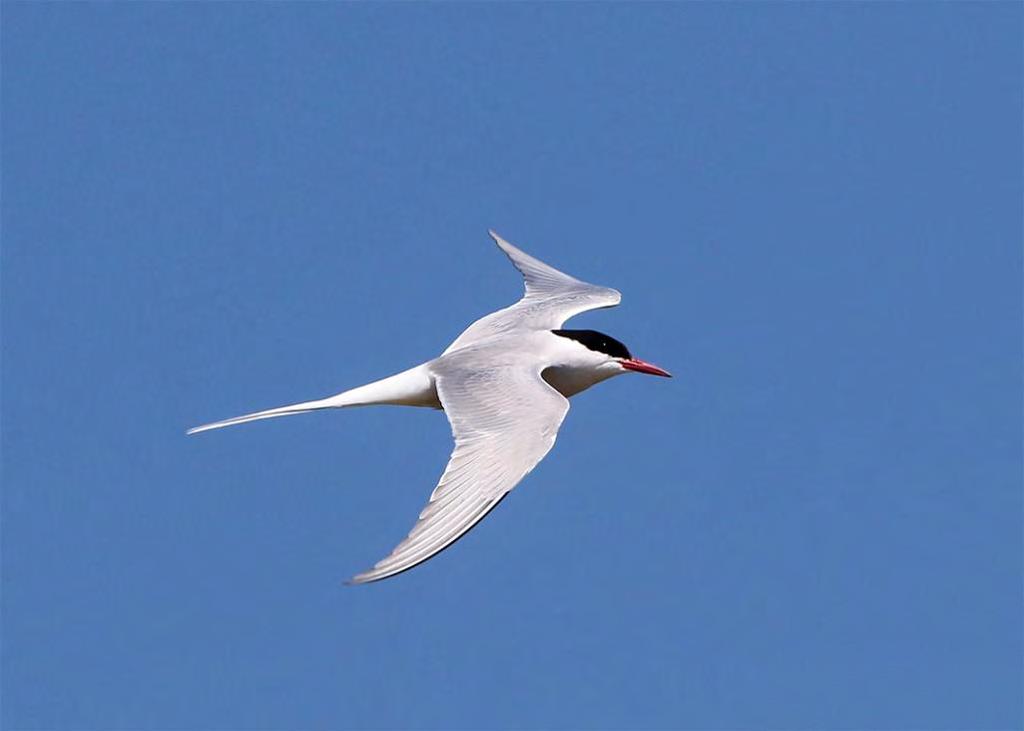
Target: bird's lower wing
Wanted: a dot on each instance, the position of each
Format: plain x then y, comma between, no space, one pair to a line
504,422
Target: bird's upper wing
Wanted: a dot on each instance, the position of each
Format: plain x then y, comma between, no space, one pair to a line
551,298
504,421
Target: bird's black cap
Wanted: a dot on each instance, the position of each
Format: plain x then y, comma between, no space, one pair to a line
596,341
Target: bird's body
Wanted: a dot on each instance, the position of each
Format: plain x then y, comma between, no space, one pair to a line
504,385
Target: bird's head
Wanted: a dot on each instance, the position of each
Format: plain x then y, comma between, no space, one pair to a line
608,354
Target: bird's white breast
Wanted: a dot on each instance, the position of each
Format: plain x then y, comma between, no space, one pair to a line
570,380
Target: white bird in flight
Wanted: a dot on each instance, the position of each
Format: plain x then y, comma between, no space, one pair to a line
504,385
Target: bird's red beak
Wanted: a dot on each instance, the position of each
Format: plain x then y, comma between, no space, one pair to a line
635,364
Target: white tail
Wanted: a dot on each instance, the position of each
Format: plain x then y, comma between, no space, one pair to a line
302,408
414,387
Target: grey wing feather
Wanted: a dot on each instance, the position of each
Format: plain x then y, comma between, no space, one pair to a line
551,298
504,422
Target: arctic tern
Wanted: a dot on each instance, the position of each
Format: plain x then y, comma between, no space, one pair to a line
504,385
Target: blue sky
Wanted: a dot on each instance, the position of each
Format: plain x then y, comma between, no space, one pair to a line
814,215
